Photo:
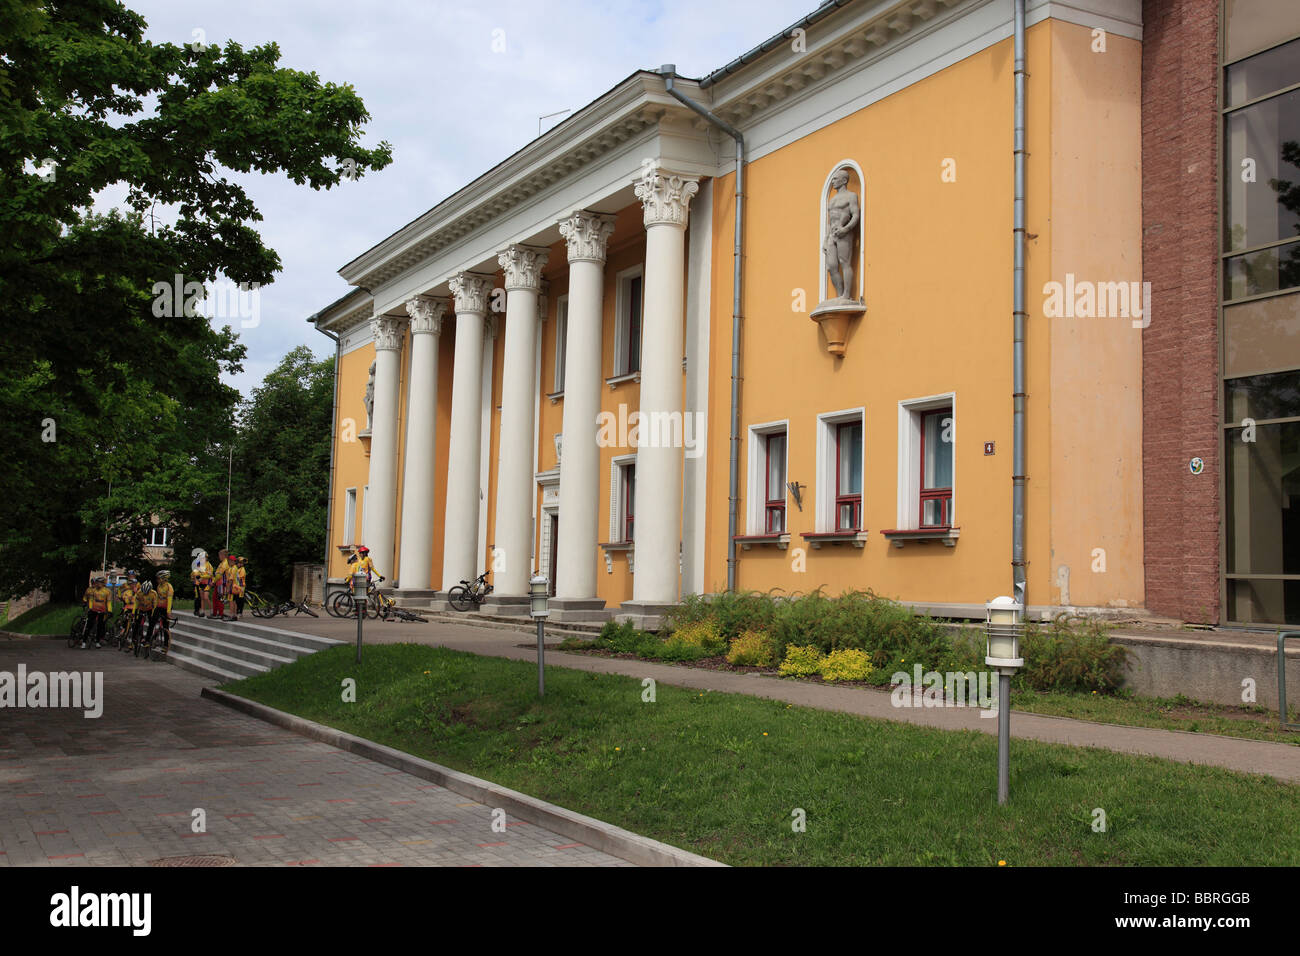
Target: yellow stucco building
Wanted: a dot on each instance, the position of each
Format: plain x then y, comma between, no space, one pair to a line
536,374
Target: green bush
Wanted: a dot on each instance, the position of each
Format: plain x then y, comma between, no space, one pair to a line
753,649
846,664
734,613
801,661
1073,658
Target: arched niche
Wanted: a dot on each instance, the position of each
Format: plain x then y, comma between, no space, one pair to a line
855,185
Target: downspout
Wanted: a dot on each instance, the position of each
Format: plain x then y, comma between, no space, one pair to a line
668,71
1018,319
329,499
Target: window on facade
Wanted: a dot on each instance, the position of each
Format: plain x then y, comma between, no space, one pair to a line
848,476
936,469
774,497
561,339
157,537
627,337
350,517
1262,180
627,495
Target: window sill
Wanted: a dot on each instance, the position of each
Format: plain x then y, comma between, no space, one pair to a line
617,545
617,380
613,547
747,541
555,396
856,538
900,536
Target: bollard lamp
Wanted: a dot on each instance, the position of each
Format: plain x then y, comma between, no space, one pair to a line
538,597
1003,629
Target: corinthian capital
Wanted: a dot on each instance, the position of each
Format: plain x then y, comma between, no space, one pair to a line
523,266
587,234
471,292
387,330
665,196
426,314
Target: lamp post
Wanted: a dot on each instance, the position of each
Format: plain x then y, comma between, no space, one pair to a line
539,601
359,602
1003,653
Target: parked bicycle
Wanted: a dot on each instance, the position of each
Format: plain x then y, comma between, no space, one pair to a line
156,641
78,633
285,607
466,596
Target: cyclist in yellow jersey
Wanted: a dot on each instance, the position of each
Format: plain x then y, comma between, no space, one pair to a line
366,565
238,584
163,607
99,601
202,576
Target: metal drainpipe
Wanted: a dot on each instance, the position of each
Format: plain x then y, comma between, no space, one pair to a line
1018,317
668,71
329,500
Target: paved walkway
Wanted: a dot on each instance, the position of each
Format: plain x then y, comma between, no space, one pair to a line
1247,756
122,789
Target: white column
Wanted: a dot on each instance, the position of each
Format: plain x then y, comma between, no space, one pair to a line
666,198
460,526
381,502
515,485
587,235
416,565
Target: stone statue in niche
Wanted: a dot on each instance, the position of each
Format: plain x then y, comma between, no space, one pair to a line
370,397
843,215
841,251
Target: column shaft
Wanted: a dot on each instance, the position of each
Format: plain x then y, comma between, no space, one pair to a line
416,565
381,503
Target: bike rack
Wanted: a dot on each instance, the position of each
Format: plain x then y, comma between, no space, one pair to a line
1281,679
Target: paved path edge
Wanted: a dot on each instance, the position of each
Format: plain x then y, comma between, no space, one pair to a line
596,834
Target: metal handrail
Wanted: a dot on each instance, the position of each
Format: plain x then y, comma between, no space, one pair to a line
1281,679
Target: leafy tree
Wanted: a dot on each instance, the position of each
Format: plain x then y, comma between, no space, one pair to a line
128,392
281,470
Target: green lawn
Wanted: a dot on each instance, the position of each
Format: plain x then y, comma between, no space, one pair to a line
47,619
721,774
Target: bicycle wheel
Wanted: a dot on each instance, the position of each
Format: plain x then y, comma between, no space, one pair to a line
304,606
74,635
340,605
460,598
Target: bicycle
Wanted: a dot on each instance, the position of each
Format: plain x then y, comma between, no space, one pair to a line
301,607
150,647
78,633
341,604
465,596
260,605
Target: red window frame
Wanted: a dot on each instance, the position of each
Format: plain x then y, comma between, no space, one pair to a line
854,500
774,498
941,495
629,498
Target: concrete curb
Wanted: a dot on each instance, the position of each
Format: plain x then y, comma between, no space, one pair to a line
596,834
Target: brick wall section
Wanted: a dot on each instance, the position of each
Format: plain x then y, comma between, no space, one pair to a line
1180,360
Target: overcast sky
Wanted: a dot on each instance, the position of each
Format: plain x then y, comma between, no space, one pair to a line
451,107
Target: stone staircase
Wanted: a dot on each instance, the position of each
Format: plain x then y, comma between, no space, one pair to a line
229,650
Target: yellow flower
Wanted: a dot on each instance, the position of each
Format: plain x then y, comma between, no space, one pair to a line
765,733
1002,862
618,748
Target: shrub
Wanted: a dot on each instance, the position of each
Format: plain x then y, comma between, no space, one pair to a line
846,664
753,649
623,638
801,661
734,613
705,634
1071,658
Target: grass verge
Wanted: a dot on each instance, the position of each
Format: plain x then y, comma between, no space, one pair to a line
48,619
724,774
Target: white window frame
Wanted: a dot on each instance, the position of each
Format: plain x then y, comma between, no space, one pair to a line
561,341
756,488
152,531
350,516
909,458
617,506
824,513
622,317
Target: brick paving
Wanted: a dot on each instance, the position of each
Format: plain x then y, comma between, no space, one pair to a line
121,789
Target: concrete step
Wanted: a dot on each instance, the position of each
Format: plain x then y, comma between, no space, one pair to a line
230,650
203,668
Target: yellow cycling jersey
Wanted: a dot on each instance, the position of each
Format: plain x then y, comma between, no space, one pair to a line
367,567
101,600
147,601
128,595
163,596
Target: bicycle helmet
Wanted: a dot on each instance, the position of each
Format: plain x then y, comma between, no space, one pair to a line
164,574
146,587
363,550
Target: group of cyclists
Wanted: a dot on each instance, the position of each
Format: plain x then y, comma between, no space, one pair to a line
145,606
217,589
